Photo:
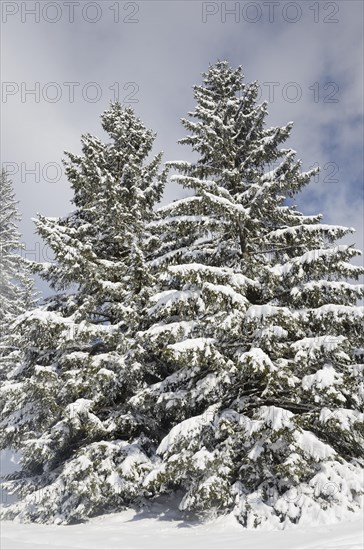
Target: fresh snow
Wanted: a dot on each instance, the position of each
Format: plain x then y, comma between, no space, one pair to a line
231,275
237,208
169,298
191,344
281,466
309,257
181,219
328,342
178,202
163,528
260,312
320,227
312,446
322,379
340,286
173,328
335,309
185,429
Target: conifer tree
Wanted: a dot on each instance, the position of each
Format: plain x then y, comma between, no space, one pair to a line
16,285
83,451
254,337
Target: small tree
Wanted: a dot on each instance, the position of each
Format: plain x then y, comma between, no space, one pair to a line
254,334
16,286
65,407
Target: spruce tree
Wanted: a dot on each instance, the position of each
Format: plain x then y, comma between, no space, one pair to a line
15,283
83,451
254,336
16,286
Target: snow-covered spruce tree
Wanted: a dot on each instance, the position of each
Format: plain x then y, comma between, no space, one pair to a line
64,407
16,285
254,336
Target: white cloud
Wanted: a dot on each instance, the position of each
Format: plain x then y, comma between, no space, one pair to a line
164,55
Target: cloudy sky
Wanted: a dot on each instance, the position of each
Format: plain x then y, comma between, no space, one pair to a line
76,56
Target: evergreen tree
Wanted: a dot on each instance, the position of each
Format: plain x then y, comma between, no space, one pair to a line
16,286
254,336
65,406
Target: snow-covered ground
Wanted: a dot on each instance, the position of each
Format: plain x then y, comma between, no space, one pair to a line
165,527
162,530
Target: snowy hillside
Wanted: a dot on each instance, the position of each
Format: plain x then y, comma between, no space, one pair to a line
128,530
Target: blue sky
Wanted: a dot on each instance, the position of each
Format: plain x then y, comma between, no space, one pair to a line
153,54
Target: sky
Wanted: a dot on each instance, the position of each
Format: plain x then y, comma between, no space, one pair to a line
62,62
